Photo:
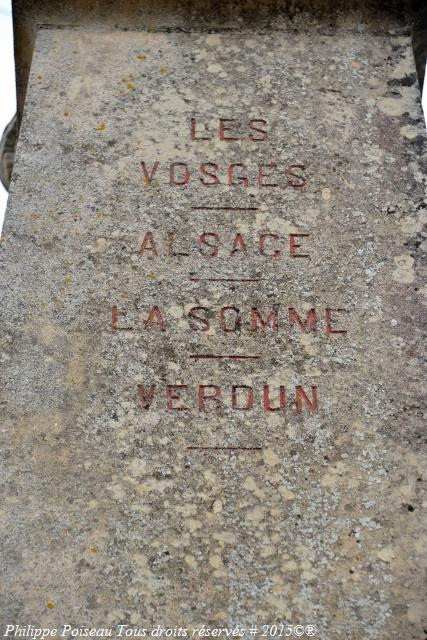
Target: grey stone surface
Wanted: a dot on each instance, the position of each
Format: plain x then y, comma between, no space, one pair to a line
109,516
152,14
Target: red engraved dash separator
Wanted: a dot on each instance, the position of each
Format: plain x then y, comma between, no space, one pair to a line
195,448
211,356
192,279
203,208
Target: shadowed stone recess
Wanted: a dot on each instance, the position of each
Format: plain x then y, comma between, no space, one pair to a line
7,151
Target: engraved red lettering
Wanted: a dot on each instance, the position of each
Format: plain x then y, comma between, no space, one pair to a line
272,320
172,174
155,318
266,399
196,322
233,311
146,397
203,395
329,320
293,245
240,180
172,394
223,129
148,176
301,398
239,245
148,244
263,133
296,181
115,313
171,246
203,241
262,175
204,170
193,131
261,242
236,391
311,320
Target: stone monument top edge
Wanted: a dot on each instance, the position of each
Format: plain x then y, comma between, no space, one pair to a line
28,15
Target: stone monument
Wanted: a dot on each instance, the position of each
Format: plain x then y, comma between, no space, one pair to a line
212,305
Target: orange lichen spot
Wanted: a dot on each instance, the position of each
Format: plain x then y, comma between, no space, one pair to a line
93,549
66,114
50,604
152,182
130,86
40,77
163,69
101,127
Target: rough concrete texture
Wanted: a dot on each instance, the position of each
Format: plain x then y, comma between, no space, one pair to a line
108,517
143,14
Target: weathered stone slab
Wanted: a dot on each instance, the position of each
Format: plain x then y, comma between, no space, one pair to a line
210,329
